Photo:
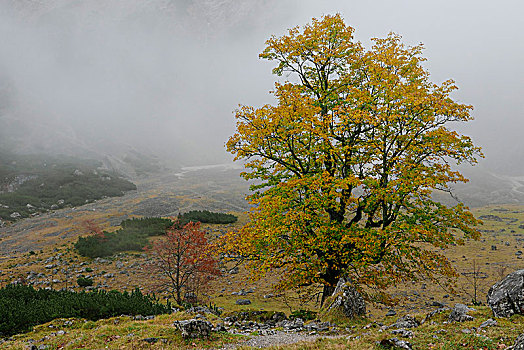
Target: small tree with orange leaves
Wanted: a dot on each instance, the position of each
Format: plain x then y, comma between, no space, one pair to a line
346,161
182,260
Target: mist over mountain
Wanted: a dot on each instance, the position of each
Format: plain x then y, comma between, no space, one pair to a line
106,77
161,79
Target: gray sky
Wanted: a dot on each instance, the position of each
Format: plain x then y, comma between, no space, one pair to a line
165,76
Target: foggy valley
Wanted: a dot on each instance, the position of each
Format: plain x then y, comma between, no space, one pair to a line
120,121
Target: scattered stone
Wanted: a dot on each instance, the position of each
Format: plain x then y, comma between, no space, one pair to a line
243,302
519,343
296,324
395,343
233,271
466,330
488,323
430,315
406,321
318,326
391,313
437,304
490,217
404,333
194,328
348,300
506,297
150,340
199,310
459,313
241,293
220,328
493,247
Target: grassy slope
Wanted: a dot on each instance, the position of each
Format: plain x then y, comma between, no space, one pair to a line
414,297
125,333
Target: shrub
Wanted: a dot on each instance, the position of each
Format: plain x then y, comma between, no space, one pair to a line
22,307
147,226
306,315
132,236
206,217
84,282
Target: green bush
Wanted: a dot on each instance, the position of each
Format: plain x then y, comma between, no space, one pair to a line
306,315
22,307
147,226
206,217
84,282
132,236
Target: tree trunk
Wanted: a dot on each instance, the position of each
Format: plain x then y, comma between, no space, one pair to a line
326,292
178,297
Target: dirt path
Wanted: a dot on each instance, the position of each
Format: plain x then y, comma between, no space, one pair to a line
278,338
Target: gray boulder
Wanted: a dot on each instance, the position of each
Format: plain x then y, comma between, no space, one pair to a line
194,328
404,333
406,321
506,297
296,324
519,343
348,300
243,302
460,313
488,323
394,343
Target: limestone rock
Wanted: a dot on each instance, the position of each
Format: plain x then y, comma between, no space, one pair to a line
519,343
348,300
406,321
394,343
430,315
194,328
404,333
488,323
460,313
506,297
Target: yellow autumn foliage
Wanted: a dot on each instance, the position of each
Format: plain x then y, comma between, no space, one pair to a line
346,161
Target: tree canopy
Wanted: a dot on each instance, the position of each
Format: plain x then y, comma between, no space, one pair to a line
347,159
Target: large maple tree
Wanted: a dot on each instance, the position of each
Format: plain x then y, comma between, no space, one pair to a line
346,162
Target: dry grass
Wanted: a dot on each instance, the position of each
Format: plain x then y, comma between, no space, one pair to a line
415,297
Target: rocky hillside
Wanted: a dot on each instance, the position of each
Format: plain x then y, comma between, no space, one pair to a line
39,251
31,185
